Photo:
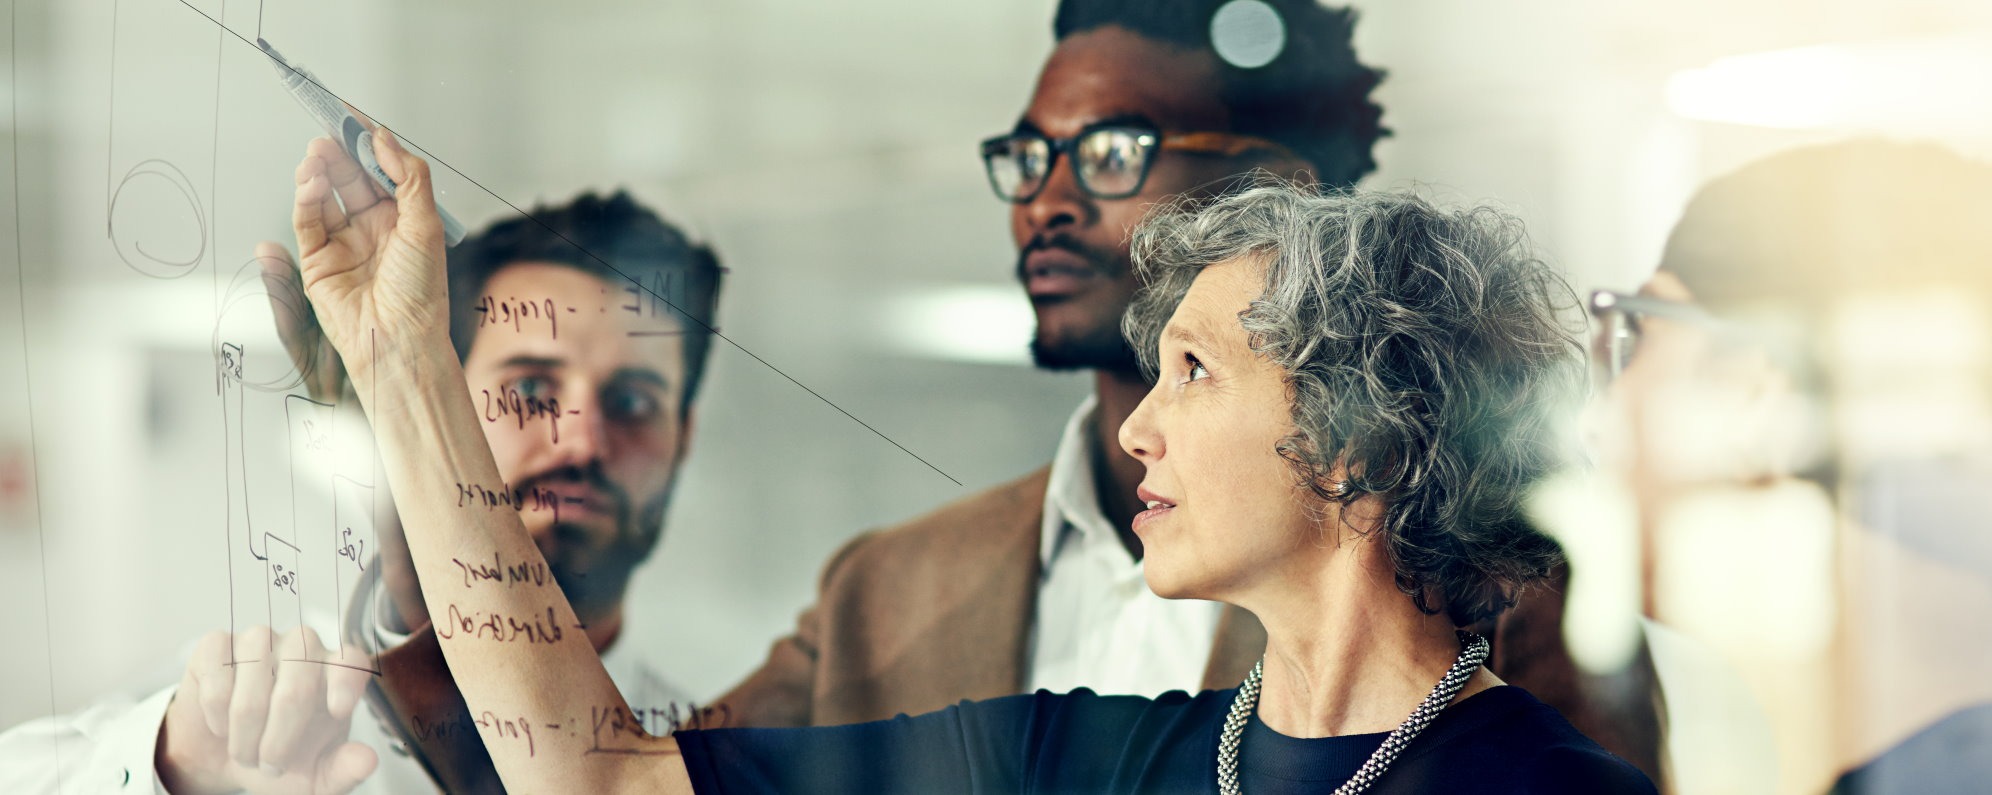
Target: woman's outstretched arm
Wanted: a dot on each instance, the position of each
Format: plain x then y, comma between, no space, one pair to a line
548,712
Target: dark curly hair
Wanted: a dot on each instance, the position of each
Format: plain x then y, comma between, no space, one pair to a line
1426,350
613,238
1313,97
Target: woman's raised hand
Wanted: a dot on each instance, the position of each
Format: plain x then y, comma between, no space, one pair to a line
371,262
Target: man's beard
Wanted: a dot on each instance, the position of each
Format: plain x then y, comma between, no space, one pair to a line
1099,346
592,573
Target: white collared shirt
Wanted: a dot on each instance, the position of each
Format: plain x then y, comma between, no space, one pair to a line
1097,625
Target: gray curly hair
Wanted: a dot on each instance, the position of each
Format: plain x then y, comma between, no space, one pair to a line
1427,352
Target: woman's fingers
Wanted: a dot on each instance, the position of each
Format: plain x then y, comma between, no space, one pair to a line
337,161
355,188
314,216
317,364
413,190
382,265
389,152
291,309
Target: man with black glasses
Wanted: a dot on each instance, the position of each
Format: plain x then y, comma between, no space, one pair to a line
1037,583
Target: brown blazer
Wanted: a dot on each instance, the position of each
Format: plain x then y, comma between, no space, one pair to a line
920,616
917,617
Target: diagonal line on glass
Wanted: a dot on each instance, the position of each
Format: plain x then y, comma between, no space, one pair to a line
605,263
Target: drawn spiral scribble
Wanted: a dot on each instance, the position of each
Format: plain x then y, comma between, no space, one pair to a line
149,257
250,282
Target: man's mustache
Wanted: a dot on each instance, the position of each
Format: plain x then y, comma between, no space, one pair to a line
1097,260
589,475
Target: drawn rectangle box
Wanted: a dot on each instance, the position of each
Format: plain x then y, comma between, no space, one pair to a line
283,584
310,455
355,557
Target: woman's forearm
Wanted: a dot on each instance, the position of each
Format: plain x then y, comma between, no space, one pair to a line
372,263
548,711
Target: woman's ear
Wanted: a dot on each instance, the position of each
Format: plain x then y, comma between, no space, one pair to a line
1353,512
1337,483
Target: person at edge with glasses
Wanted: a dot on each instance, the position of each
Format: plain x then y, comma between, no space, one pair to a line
1798,409
1037,583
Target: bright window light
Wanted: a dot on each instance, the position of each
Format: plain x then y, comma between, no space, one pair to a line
979,323
1915,86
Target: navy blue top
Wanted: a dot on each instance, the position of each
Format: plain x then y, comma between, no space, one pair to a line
1501,740
1953,755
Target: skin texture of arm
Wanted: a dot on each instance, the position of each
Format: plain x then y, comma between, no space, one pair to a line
374,273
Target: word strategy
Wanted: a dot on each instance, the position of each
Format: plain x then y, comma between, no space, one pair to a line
613,729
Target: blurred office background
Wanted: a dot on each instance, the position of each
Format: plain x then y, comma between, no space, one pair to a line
828,151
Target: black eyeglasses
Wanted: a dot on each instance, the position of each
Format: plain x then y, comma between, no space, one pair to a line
1111,161
1619,314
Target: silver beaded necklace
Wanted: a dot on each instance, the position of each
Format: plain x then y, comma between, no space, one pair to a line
1472,653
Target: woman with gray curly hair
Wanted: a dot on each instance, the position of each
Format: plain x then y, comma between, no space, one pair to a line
1352,396
1354,393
